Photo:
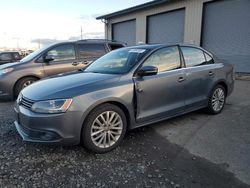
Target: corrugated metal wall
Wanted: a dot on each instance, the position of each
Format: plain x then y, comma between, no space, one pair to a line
124,32
166,27
226,32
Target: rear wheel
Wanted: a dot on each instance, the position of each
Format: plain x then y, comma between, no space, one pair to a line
104,128
217,100
24,82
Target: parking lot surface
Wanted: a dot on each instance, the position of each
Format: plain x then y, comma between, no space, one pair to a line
194,150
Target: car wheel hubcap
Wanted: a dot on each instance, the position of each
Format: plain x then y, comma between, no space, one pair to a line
218,99
29,82
106,129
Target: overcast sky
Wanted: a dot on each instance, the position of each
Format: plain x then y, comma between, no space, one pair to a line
24,22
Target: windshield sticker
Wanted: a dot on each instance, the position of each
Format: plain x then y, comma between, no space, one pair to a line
137,51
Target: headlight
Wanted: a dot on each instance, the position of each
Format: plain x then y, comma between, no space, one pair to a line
52,106
4,71
19,98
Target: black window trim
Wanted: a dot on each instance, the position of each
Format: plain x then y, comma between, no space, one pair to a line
112,43
205,53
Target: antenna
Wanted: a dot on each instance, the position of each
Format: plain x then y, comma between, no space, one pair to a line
81,32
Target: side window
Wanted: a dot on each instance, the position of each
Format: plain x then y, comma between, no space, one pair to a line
193,56
91,50
63,52
5,57
165,59
209,59
115,46
16,56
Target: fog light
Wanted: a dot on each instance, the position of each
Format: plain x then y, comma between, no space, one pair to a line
47,136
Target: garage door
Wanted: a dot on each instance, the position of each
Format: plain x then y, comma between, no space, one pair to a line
124,32
226,32
166,28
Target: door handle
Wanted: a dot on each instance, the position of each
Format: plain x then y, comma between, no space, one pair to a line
181,79
211,73
86,62
75,63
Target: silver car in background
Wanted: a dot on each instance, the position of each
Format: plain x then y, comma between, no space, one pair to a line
125,89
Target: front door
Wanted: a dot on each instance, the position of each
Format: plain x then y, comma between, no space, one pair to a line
64,60
5,58
161,95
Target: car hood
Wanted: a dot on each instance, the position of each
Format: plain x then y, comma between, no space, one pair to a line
68,86
9,65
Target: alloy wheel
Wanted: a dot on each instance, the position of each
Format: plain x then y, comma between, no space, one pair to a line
27,83
106,129
218,99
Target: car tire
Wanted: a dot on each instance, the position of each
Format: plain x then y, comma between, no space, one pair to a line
22,83
104,128
217,100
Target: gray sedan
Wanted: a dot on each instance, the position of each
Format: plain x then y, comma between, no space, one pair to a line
125,89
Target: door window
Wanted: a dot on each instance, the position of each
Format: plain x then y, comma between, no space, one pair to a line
5,57
193,56
209,59
165,59
16,56
91,50
63,52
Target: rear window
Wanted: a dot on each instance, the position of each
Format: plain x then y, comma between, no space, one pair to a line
91,50
193,56
209,59
115,46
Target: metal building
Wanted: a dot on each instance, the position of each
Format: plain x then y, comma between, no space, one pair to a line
220,26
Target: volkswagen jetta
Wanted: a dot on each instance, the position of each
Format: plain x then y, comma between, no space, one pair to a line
125,89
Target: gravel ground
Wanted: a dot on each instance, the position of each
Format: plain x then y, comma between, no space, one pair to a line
144,159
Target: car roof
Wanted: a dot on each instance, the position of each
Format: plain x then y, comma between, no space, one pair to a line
151,46
156,46
89,41
99,41
9,52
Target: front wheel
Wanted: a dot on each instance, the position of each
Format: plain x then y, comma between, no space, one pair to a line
217,100
24,82
104,128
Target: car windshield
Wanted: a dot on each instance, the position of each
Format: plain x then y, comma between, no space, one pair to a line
34,54
117,62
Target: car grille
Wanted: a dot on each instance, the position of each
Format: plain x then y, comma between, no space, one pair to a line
27,103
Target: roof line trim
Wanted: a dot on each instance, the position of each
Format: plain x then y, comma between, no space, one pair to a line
133,9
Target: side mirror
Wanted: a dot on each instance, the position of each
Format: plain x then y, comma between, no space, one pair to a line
49,58
147,71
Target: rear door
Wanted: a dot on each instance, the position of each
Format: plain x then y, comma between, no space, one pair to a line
161,95
64,60
16,56
89,52
199,72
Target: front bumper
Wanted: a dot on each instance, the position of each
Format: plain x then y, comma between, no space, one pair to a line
63,129
6,92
